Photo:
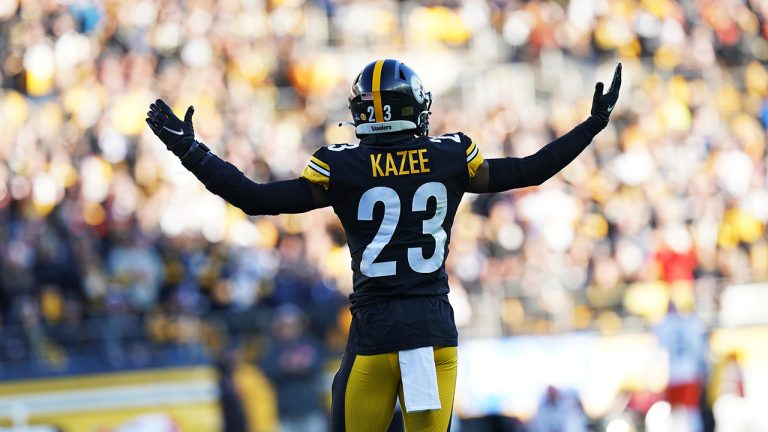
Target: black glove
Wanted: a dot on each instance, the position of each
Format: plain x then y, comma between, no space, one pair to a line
177,135
602,104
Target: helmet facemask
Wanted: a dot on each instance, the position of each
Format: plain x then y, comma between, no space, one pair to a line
423,120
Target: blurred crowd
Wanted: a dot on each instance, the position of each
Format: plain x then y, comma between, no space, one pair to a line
105,237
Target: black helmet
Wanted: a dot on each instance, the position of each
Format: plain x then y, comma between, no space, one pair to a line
388,96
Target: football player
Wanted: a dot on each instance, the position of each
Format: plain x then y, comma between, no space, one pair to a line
396,193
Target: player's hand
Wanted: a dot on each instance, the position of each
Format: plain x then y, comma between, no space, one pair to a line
602,104
176,134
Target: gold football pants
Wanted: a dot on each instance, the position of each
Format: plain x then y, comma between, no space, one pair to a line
366,387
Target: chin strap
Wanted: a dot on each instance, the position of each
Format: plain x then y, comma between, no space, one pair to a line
346,123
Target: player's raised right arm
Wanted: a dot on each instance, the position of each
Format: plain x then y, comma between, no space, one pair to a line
224,179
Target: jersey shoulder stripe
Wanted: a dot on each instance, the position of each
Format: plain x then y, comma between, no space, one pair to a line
474,159
471,151
317,171
320,166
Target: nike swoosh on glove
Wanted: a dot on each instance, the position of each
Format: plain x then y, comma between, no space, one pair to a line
177,135
602,104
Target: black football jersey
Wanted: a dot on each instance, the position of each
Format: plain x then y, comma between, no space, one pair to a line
396,197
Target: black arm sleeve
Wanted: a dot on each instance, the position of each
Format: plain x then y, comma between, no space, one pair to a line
228,182
510,173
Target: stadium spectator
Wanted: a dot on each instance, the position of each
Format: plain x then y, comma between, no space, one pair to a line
293,364
726,393
682,337
559,411
233,413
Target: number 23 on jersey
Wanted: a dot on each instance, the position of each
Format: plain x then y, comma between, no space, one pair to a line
392,208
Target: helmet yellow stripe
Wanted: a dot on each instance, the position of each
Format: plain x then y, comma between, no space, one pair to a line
378,111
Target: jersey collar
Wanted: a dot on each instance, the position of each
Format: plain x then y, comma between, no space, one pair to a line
387,139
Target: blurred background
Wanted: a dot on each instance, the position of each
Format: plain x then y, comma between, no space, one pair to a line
627,293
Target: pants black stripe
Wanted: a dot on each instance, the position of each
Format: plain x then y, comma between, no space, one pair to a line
338,391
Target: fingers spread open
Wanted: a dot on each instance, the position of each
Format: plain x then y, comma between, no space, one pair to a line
153,116
164,107
158,112
152,125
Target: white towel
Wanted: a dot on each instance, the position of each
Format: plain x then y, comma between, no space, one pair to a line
419,377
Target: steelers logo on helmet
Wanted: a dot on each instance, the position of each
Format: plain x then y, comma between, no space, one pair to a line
388,97
418,88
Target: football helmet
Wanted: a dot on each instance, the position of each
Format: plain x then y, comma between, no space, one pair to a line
387,96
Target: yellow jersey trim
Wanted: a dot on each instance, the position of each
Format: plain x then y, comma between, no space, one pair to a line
321,163
317,172
474,159
315,177
470,149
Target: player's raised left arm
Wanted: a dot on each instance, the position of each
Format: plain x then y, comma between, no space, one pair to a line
498,175
224,179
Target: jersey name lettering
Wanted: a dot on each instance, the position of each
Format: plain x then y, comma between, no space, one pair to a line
410,162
